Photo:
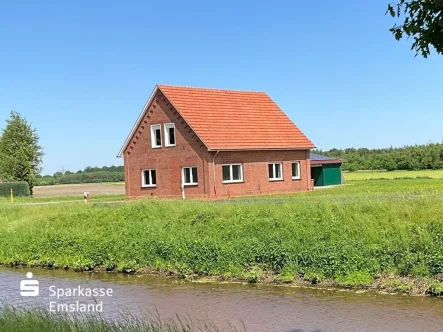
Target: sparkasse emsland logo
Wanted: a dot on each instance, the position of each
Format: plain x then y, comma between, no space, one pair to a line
29,287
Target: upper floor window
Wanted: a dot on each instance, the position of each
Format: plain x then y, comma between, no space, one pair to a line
232,173
189,176
296,170
156,136
169,134
275,171
149,178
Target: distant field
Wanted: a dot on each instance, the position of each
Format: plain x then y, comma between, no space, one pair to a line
367,175
94,189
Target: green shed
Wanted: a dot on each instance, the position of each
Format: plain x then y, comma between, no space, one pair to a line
325,171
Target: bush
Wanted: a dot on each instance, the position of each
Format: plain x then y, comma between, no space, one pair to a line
18,189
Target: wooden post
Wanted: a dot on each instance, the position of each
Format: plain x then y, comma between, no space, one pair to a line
12,197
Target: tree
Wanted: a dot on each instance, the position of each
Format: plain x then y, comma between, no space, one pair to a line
58,175
423,21
20,153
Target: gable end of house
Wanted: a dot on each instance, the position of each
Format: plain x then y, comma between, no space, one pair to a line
143,118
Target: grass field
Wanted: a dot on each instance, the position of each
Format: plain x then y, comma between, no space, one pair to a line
73,193
71,190
351,234
368,175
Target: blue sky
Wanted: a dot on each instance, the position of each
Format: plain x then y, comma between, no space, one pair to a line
81,71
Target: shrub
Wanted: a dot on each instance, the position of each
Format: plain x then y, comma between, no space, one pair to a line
18,189
356,279
397,285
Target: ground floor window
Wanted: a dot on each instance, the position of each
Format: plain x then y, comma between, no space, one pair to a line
189,176
232,173
296,170
275,171
149,178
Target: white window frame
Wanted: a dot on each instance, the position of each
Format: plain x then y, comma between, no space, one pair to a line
231,173
297,163
153,138
192,183
281,171
168,126
144,185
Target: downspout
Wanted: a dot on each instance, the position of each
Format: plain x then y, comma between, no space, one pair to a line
182,186
308,169
213,169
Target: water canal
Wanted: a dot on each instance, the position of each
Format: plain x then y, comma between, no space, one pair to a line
251,307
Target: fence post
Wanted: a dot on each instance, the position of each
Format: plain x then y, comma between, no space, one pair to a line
12,197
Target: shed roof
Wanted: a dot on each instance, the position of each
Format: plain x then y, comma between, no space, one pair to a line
317,159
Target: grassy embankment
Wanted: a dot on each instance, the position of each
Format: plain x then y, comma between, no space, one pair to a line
385,234
39,320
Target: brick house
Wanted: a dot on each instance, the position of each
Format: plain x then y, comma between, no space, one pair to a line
211,143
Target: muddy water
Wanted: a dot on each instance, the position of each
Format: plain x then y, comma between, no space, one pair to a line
256,307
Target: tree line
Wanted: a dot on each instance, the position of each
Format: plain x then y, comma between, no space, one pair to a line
416,157
88,175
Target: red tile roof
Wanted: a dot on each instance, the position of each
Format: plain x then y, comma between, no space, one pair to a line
235,120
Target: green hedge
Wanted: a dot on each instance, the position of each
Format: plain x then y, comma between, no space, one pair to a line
18,188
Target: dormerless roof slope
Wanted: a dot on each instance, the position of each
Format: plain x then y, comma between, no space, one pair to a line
233,120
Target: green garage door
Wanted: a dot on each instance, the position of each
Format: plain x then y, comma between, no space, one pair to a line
317,176
331,174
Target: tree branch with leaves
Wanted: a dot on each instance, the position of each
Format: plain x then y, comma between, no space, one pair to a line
421,20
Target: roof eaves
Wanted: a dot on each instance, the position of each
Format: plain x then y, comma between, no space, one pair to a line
323,162
262,149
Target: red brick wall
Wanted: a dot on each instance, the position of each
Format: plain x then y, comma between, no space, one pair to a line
190,151
255,173
167,161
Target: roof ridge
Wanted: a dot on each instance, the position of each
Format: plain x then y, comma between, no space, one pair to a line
212,89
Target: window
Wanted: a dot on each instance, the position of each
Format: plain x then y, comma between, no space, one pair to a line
275,171
169,134
156,136
189,176
149,178
296,170
232,173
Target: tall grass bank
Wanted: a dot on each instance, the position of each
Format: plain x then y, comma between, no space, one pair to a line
392,241
16,319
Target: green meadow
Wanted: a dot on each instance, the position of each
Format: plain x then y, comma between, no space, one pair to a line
62,199
349,236
371,175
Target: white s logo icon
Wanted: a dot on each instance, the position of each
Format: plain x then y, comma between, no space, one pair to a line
29,287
